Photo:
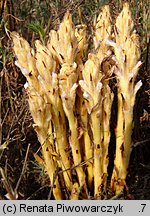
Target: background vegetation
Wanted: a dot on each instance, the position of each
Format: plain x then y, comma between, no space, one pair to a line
20,174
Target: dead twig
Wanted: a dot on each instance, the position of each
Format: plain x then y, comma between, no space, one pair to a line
7,186
140,143
23,171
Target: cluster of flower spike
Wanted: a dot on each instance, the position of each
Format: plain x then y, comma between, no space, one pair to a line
70,101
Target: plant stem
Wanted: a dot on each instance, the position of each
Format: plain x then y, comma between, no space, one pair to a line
74,143
119,142
87,143
51,165
96,129
63,147
123,144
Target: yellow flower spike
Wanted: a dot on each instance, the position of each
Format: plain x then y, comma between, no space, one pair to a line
102,33
124,25
48,77
91,85
19,42
67,39
21,49
26,60
103,52
67,83
46,66
80,33
39,108
46,60
63,43
127,54
53,46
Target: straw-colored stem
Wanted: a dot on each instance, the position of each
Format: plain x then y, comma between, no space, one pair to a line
76,152
106,138
96,130
123,144
63,147
88,158
106,113
119,141
50,164
125,151
105,159
87,143
128,118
